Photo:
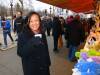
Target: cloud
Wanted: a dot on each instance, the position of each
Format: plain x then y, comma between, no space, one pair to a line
37,5
40,6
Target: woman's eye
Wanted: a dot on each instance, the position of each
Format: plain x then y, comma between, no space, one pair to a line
30,21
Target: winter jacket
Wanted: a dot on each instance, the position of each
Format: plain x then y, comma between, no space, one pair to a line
75,33
33,48
6,25
18,24
56,27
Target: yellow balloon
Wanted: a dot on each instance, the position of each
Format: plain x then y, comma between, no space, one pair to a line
98,53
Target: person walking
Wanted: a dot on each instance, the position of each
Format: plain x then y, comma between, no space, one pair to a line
33,48
75,36
56,32
67,30
6,31
49,25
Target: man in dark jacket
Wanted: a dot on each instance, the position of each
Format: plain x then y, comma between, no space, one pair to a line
49,26
56,32
75,36
18,23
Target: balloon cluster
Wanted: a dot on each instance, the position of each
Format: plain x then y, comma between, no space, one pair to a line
95,55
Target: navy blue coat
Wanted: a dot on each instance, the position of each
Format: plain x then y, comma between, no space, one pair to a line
35,48
56,27
75,32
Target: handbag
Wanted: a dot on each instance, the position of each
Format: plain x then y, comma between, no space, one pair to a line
60,42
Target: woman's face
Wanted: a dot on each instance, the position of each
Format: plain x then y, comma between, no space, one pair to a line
34,23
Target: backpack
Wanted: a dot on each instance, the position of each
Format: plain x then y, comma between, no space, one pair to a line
6,25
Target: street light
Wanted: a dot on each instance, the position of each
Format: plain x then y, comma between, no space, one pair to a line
66,11
50,10
53,11
11,4
45,12
0,8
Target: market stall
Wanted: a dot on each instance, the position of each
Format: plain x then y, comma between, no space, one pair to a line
89,57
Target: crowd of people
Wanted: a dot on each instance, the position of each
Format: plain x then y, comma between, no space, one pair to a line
32,44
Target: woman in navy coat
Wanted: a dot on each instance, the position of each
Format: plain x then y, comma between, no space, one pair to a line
33,48
56,32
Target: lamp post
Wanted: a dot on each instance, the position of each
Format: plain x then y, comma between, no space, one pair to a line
0,9
53,11
11,4
45,12
62,11
50,11
66,12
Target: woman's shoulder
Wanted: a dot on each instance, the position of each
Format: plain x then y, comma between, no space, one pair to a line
43,35
21,35
24,33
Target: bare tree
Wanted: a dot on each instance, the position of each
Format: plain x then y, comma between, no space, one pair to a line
3,11
31,5
21,1
17,7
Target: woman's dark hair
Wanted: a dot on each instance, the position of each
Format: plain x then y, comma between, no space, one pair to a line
33,13
29,17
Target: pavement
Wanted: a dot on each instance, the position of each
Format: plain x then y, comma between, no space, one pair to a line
10,44
10,63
